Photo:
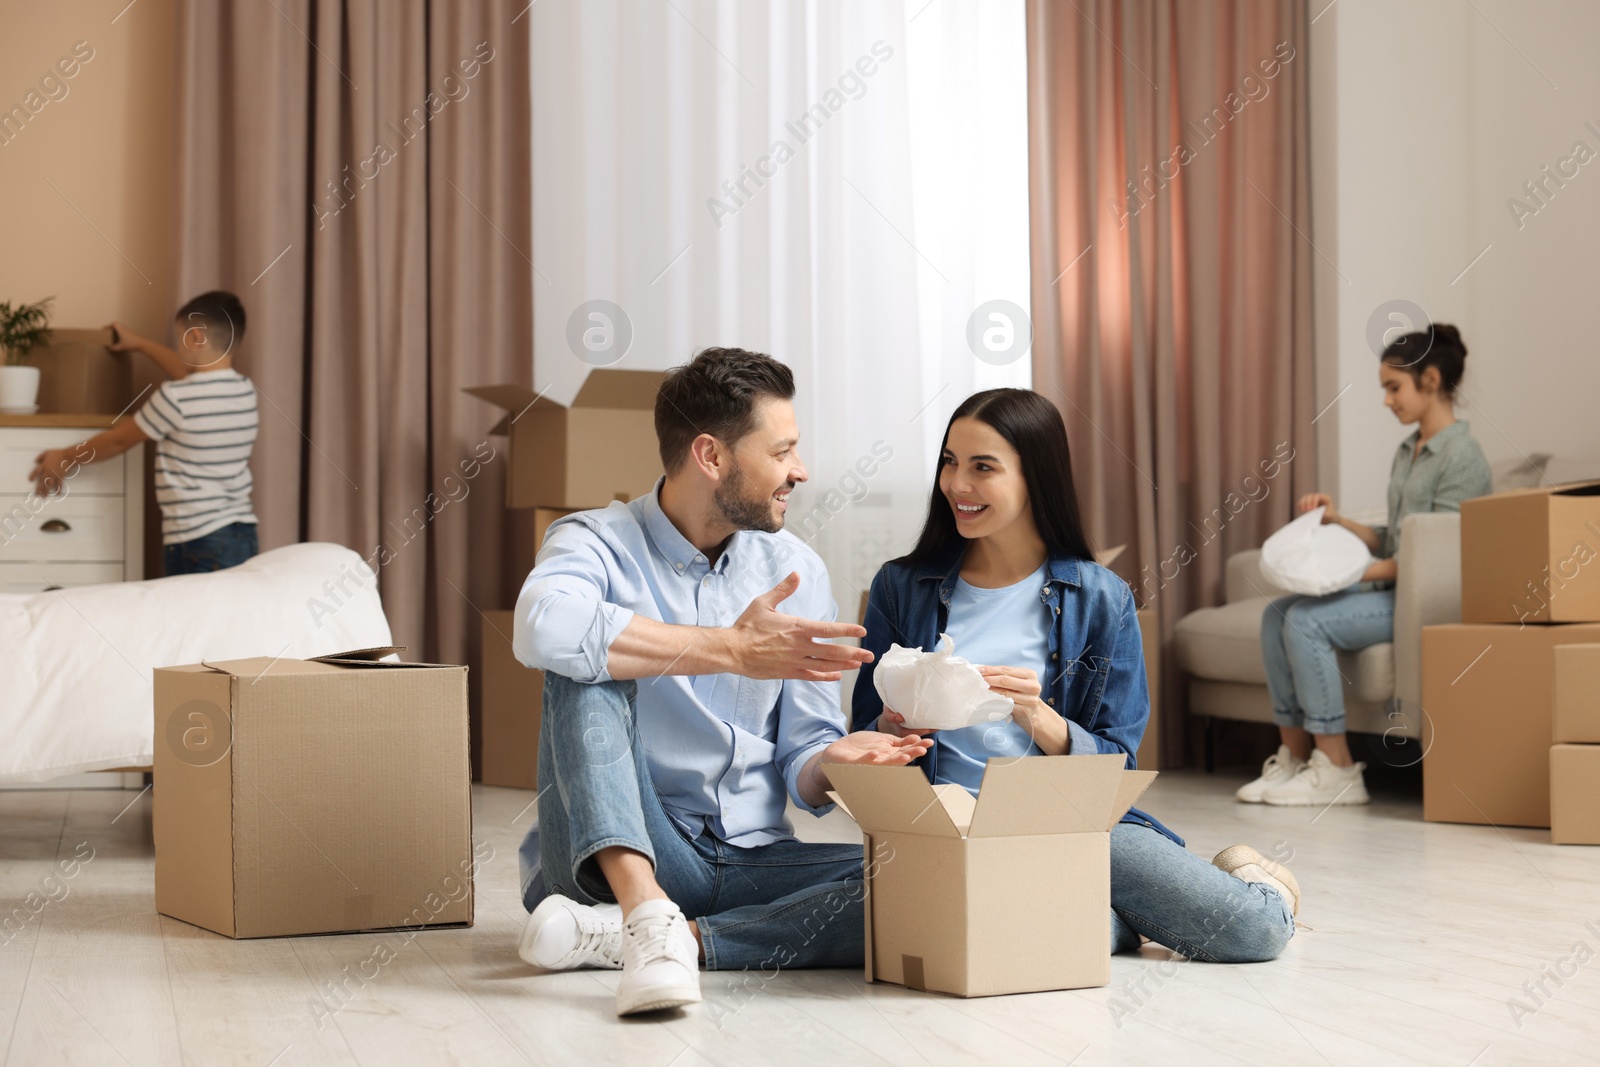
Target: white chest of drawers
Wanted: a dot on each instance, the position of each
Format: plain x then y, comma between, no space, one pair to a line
93,533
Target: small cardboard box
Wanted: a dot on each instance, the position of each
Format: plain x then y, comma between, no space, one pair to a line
1575,794
513,697
79,375
602,448
1577,695
948,876
1488,701
1532,555
313,796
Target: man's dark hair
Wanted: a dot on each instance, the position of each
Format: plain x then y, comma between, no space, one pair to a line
716,392
219,313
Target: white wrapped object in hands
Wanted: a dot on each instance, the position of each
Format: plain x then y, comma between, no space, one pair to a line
1308,557
937,690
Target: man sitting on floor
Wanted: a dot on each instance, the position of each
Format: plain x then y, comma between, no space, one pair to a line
688,690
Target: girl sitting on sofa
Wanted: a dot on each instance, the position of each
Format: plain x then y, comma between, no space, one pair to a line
1003,566
1434,469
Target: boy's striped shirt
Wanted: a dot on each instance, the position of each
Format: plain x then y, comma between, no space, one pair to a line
204,427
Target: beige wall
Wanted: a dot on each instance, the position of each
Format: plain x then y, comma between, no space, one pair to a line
106,145
1427,116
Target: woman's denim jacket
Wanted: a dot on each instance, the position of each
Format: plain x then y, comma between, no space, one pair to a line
1096,677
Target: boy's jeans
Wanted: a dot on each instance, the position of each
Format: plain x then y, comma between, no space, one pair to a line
215,551
787,904
1299,636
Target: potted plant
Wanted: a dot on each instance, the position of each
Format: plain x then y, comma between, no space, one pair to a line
22,328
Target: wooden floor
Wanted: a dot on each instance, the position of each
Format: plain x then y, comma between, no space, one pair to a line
1421,940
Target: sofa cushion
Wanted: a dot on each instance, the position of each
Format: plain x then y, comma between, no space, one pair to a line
1224,645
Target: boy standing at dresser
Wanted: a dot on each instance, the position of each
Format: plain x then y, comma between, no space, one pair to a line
204,424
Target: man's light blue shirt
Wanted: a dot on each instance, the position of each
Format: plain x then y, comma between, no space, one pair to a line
722,749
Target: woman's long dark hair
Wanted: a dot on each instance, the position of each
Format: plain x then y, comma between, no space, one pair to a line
1032,426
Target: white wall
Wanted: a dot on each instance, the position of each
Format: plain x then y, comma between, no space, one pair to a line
1427,115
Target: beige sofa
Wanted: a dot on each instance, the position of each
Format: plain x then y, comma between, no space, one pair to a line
1219,649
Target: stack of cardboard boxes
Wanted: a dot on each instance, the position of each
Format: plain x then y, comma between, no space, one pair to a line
1575,756
562,459
1530,583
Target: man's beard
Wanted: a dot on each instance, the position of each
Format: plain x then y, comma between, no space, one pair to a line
741,512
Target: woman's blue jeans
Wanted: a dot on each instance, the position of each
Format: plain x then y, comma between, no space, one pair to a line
794,904
1300,640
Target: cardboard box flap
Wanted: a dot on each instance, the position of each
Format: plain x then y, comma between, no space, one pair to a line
515,399
376,653
891,800
1131,788
1047,795
257,667
958,804
627,389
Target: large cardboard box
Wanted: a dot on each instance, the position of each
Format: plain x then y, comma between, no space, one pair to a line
950,878
79,375
313,796
1532,555
513,697
602,448
1488,699
1575,794
1577,695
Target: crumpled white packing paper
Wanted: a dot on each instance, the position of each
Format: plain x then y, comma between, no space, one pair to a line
937,690
1310,558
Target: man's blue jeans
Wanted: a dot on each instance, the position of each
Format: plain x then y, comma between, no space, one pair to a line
1299,639
792,904
787,904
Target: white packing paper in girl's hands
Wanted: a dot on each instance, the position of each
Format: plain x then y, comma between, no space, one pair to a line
936,690
1310,558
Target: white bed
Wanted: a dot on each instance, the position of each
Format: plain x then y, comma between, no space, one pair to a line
75,664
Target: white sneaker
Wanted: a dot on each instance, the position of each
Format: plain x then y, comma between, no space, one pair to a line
1320,784
1248,865
660,966
563,935
1280,767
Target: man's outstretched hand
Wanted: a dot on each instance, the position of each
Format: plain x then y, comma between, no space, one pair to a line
867,747
769,644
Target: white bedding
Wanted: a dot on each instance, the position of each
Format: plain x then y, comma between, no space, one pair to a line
75,664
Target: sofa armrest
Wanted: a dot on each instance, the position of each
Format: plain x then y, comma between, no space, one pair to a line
1244,580
1427,593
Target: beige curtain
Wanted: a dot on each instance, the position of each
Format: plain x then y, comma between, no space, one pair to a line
358,172
1173,315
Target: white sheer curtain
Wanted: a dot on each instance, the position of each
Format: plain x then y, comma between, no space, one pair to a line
840,184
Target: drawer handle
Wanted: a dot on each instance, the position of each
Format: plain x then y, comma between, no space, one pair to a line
56,526
51,588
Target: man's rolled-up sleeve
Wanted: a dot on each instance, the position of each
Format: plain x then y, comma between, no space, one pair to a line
563,621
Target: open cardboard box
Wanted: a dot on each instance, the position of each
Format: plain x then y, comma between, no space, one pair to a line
948,875
601,448
313,796
1532,555
80,375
